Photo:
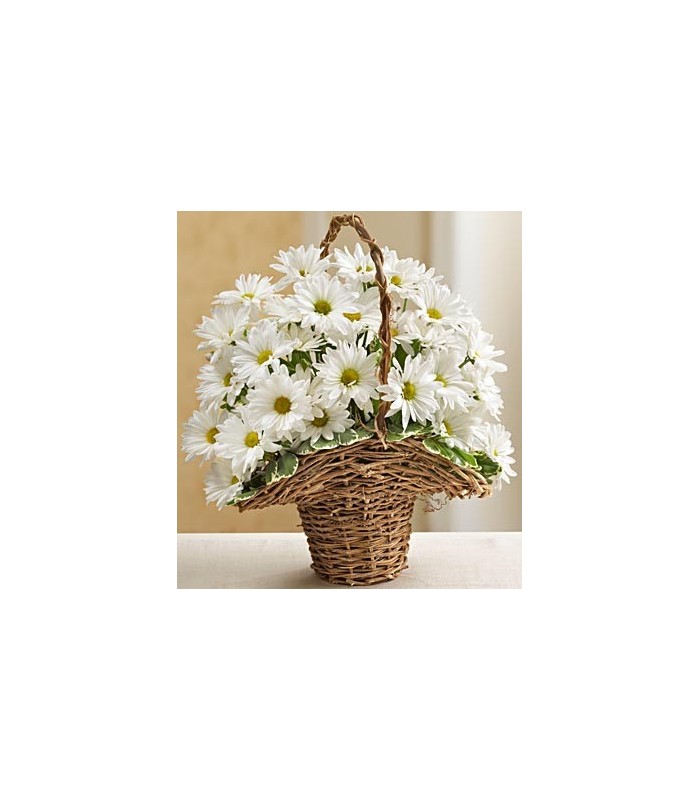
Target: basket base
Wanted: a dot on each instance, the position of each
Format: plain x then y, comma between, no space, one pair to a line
356,542
358,580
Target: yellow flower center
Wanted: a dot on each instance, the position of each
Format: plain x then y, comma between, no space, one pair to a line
319,422
262,358
211,435
394,331
396,280
234,480
441,379
282,405
302,272
409,391
227,379
322,307
433,313
353,316
251,439
349,376
495,453
248,295
448,427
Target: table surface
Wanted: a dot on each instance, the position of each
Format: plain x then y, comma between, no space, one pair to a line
282,561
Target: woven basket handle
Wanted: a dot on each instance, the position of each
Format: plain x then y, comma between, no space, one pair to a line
353,221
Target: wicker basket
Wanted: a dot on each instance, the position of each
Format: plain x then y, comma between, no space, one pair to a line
356,501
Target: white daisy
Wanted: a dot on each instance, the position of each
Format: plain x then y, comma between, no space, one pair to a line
280,405
244,443
456,426
468,331
437,337
483,353
494,440
283,308
323,301
329,419
305,338
437,305
304,374
405,329
299,263
217,381
356,267
404,275
225,325
454,390
260,351
487,395
221,484
251,290
349,373
200,432
411,390
368,317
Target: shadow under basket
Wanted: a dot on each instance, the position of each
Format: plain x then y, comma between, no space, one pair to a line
356,504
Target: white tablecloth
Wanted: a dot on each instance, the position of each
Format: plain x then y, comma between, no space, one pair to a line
281,561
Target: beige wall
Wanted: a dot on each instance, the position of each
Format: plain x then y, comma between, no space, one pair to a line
213,249
407,232
480,255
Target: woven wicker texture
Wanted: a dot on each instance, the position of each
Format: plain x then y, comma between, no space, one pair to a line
356,504
356,501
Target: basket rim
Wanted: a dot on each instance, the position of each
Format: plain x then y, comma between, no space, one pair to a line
439,473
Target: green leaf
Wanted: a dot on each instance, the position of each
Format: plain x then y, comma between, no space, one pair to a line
324,444
304,448
487,466
400,355
340,439
242,496
257,480
353,435
242,396
297,358
454,454
468,458
416,429
287,464
434,445
282,467
412,429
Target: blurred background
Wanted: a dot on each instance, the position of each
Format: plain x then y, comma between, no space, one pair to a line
478,252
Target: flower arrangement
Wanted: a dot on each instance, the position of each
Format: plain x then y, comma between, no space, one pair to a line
293,368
